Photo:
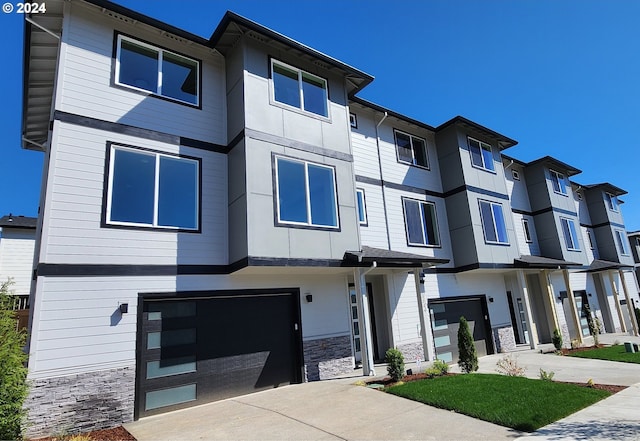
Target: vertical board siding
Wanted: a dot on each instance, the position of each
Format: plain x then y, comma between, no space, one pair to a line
404,306
84,85
73,233
16,258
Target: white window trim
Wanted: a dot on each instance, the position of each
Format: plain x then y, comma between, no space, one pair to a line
526,226
300,109
493,222
161,53
560,177
621,243
353,120
422,223
575,244
307,195
483,146
156,189
592,245
612,202
515,174
364,222
413,156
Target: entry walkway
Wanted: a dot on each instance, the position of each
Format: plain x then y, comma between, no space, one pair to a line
339,410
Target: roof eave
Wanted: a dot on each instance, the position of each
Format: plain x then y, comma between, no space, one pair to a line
504,142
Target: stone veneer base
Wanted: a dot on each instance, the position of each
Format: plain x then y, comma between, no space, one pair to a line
504,338
412,351
80,402
327,357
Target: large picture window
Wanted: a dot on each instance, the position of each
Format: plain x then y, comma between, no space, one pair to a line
421,223
570,234
151,189
481,154
411,149
493,225
151,69
306,193
299,89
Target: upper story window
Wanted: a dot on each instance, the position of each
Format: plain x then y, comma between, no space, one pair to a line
622,242
590,237
353,120
299,89
493,225
527,231
306,193
570,234
516,175
612,201
152,189
362,207
558,182
481,154
411,149
144,67
421,223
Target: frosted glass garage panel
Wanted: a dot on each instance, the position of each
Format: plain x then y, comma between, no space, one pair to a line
167,397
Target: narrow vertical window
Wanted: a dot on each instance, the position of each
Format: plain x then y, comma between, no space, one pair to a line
590,237
622,242
527,231
362,208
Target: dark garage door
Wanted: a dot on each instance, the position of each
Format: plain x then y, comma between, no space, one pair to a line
445,318
200,349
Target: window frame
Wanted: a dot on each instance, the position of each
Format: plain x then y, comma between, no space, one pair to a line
300,73
493,221
107,198
362,222
276,192
590,238
413,155
573,234
612,202
422,222
482,146
528,238
117,45
558,181
579,195
515,174
624,249
353,120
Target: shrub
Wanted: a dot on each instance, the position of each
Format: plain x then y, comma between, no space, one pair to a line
575,343
395,361
468,360
13,374
590,383
509,366
438,369
594,324
557,339
546,376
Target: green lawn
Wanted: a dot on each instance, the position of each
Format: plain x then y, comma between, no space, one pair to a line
611,353
516,402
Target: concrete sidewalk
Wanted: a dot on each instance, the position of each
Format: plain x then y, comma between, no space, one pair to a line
338,409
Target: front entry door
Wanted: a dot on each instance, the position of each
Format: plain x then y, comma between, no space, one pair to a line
356,325
582,304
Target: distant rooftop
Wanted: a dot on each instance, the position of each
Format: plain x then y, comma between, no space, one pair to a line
12,221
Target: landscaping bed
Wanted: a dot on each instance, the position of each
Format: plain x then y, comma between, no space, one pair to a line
116,434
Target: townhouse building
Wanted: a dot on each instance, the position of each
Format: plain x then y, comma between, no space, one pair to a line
225,215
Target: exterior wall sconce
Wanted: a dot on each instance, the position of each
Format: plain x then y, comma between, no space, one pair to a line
124,308
309,297
490,299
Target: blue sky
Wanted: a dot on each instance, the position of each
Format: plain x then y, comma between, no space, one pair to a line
560,77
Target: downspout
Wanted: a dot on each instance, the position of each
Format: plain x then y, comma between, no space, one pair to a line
384,197
509,165
365,320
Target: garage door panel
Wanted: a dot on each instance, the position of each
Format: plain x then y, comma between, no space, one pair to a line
225,345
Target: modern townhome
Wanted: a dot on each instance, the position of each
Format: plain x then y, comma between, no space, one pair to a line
634,240
223,215
17,241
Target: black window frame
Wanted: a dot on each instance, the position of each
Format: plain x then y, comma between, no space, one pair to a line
427,166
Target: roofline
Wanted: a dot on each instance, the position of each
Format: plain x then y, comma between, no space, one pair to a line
515,160
619,191
142,18
571,170
462,120
231,17
390,112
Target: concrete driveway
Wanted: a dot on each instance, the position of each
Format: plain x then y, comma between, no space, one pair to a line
338,409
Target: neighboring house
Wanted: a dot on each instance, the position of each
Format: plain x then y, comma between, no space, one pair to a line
634,240
17,241
225,215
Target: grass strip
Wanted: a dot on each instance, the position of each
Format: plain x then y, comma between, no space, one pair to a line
611,353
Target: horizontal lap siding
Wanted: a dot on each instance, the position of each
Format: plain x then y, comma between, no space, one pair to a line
526,248
16,258
72,229
78,328
374,234
365,154
84,85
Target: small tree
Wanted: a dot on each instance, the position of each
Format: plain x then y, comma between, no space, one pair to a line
468,361
13,374
395,361
557,339
594,324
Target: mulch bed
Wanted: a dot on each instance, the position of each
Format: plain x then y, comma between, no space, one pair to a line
567,351
115,434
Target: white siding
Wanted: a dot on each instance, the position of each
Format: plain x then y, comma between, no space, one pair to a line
403,304
591,253
365,150
72,231
77,328
517,190
16,258
375,233
526,248
84,82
